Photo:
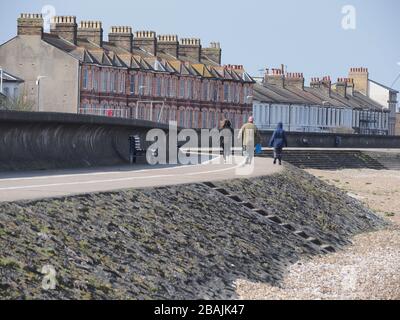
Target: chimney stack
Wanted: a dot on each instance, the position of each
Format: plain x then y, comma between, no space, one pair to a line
190,47
341,87
315,83
122,37
326,84
214,52
274,77
30,24
168,44
349,87
146,40
65,27
294,79
91,31
360,77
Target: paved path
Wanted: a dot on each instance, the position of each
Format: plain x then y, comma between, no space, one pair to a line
56,183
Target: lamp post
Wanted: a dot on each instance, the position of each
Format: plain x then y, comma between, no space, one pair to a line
397,78
38,90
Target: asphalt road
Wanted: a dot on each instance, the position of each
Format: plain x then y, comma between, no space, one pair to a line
57,183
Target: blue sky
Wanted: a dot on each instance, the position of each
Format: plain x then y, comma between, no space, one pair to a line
305,35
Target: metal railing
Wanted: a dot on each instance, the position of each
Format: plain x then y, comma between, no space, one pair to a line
106,112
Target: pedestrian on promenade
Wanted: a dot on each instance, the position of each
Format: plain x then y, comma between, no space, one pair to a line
278,142
250,137
226,138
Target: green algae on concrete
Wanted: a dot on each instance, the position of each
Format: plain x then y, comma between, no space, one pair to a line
176,242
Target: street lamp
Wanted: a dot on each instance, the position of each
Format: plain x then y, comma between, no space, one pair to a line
38,90
397,78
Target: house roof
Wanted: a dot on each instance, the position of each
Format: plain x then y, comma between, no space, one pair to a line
276,94
383,86
113,56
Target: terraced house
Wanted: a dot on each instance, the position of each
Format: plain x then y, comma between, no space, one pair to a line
140,75
355,104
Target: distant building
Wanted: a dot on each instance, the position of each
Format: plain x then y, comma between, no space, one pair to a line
385,96
397,124
141,75
11,85
320,107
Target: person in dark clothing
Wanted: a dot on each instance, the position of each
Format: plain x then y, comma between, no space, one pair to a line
226,141
278,142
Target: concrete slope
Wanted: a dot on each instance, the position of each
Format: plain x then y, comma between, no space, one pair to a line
177,242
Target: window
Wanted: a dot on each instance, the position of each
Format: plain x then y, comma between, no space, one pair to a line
182,118
189,91
94,81
122,83
190,118
158,92
205,90
237,93
173,87
104,80
226,92
215,93
212,119
149,86
168,87
114,82
85,78
109,88
181,88
196,119
141,84
132,84
204,119
245,93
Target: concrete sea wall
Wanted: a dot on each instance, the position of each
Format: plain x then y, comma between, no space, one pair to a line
51,140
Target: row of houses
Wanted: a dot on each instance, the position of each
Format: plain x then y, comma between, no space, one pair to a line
354,104
141,75
161,78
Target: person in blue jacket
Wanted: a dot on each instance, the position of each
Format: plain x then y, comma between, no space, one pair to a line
278,142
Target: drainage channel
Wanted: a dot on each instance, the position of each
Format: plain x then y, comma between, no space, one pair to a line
274,219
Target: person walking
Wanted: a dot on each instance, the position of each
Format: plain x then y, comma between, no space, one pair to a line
250,137
226,141
278,142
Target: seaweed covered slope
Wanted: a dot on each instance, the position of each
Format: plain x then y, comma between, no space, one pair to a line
188,242
309,204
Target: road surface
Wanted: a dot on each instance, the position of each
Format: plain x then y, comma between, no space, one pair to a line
57,183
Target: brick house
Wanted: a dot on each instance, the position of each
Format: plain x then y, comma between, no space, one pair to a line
141,75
